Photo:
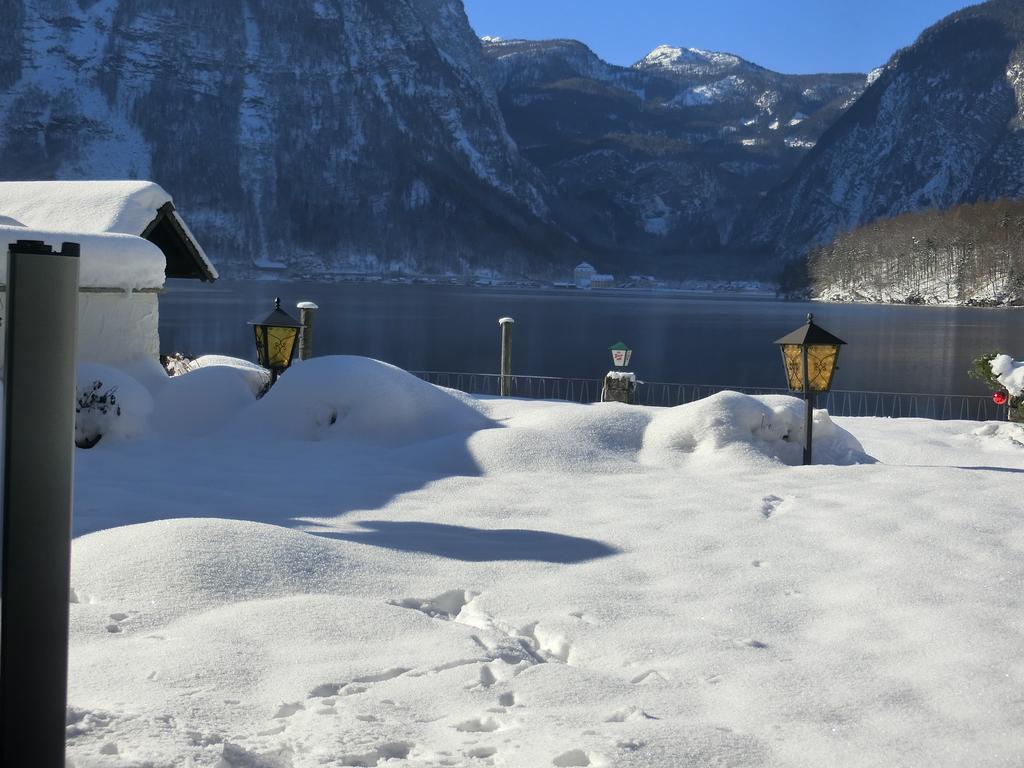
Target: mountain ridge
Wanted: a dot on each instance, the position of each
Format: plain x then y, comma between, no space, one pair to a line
386,152
939,126
654,164
333,136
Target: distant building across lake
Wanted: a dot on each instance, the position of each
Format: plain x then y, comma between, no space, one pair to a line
584,274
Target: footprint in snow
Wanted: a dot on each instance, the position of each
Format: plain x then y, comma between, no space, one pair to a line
478,725
751,643
487,678
117,619
576,757
650,677
288,709
445,606
391,750
770,505
629,714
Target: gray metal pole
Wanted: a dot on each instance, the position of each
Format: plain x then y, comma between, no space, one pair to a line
306,311
506,324
39,421
809,418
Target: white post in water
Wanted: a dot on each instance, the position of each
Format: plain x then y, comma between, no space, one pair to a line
38,444
306,311
506,324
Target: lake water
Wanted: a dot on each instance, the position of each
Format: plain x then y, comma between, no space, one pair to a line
687,338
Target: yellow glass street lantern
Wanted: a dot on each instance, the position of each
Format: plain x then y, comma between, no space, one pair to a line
276,335
810,355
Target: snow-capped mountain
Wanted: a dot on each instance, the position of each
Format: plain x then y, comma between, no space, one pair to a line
654,162
942,123
327,135
690,61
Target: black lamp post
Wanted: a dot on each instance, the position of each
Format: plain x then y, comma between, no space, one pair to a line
276,335
809,355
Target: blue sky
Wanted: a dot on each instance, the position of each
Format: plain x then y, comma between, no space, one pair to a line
784,35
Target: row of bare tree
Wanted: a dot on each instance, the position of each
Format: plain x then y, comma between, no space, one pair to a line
968,254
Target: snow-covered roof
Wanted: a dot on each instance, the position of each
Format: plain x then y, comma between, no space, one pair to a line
124,207
107,260
584,267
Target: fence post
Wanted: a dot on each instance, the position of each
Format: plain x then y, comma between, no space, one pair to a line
506,324
306,311
39,442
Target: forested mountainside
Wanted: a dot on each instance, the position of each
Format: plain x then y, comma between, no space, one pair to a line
652,164
969,254
942,124
326,135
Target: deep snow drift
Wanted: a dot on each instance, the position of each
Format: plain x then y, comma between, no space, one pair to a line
363,569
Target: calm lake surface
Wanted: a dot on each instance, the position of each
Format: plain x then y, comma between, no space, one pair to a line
676,337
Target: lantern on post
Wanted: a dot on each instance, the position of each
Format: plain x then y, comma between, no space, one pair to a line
620,354
809,355
275,340
619,386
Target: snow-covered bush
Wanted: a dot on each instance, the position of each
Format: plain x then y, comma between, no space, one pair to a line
95,409
730,425
1006,378
256,376
108,402
203,400
176,364
361,399
1009,373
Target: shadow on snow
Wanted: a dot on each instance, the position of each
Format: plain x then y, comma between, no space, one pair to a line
475,544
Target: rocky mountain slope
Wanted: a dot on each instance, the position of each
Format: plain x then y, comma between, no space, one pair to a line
652,164
326,135
942,124
323,136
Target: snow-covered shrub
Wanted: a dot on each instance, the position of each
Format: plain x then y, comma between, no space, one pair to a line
1009,373
257,377
202,400
95,409
730,425
176,364
108,402
361,399
548,436
1006,378
195,564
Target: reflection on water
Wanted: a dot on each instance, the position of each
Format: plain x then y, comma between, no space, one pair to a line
703,339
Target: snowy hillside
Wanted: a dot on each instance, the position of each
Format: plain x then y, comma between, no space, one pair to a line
657,160
322,580
939,125
333,135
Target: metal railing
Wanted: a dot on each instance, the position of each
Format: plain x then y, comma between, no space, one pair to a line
837,402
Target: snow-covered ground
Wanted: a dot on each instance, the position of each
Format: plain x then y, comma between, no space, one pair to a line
361,569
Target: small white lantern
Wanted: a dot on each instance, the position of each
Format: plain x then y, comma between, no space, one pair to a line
621,354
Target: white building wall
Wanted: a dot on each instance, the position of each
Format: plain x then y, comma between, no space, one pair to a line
113,326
